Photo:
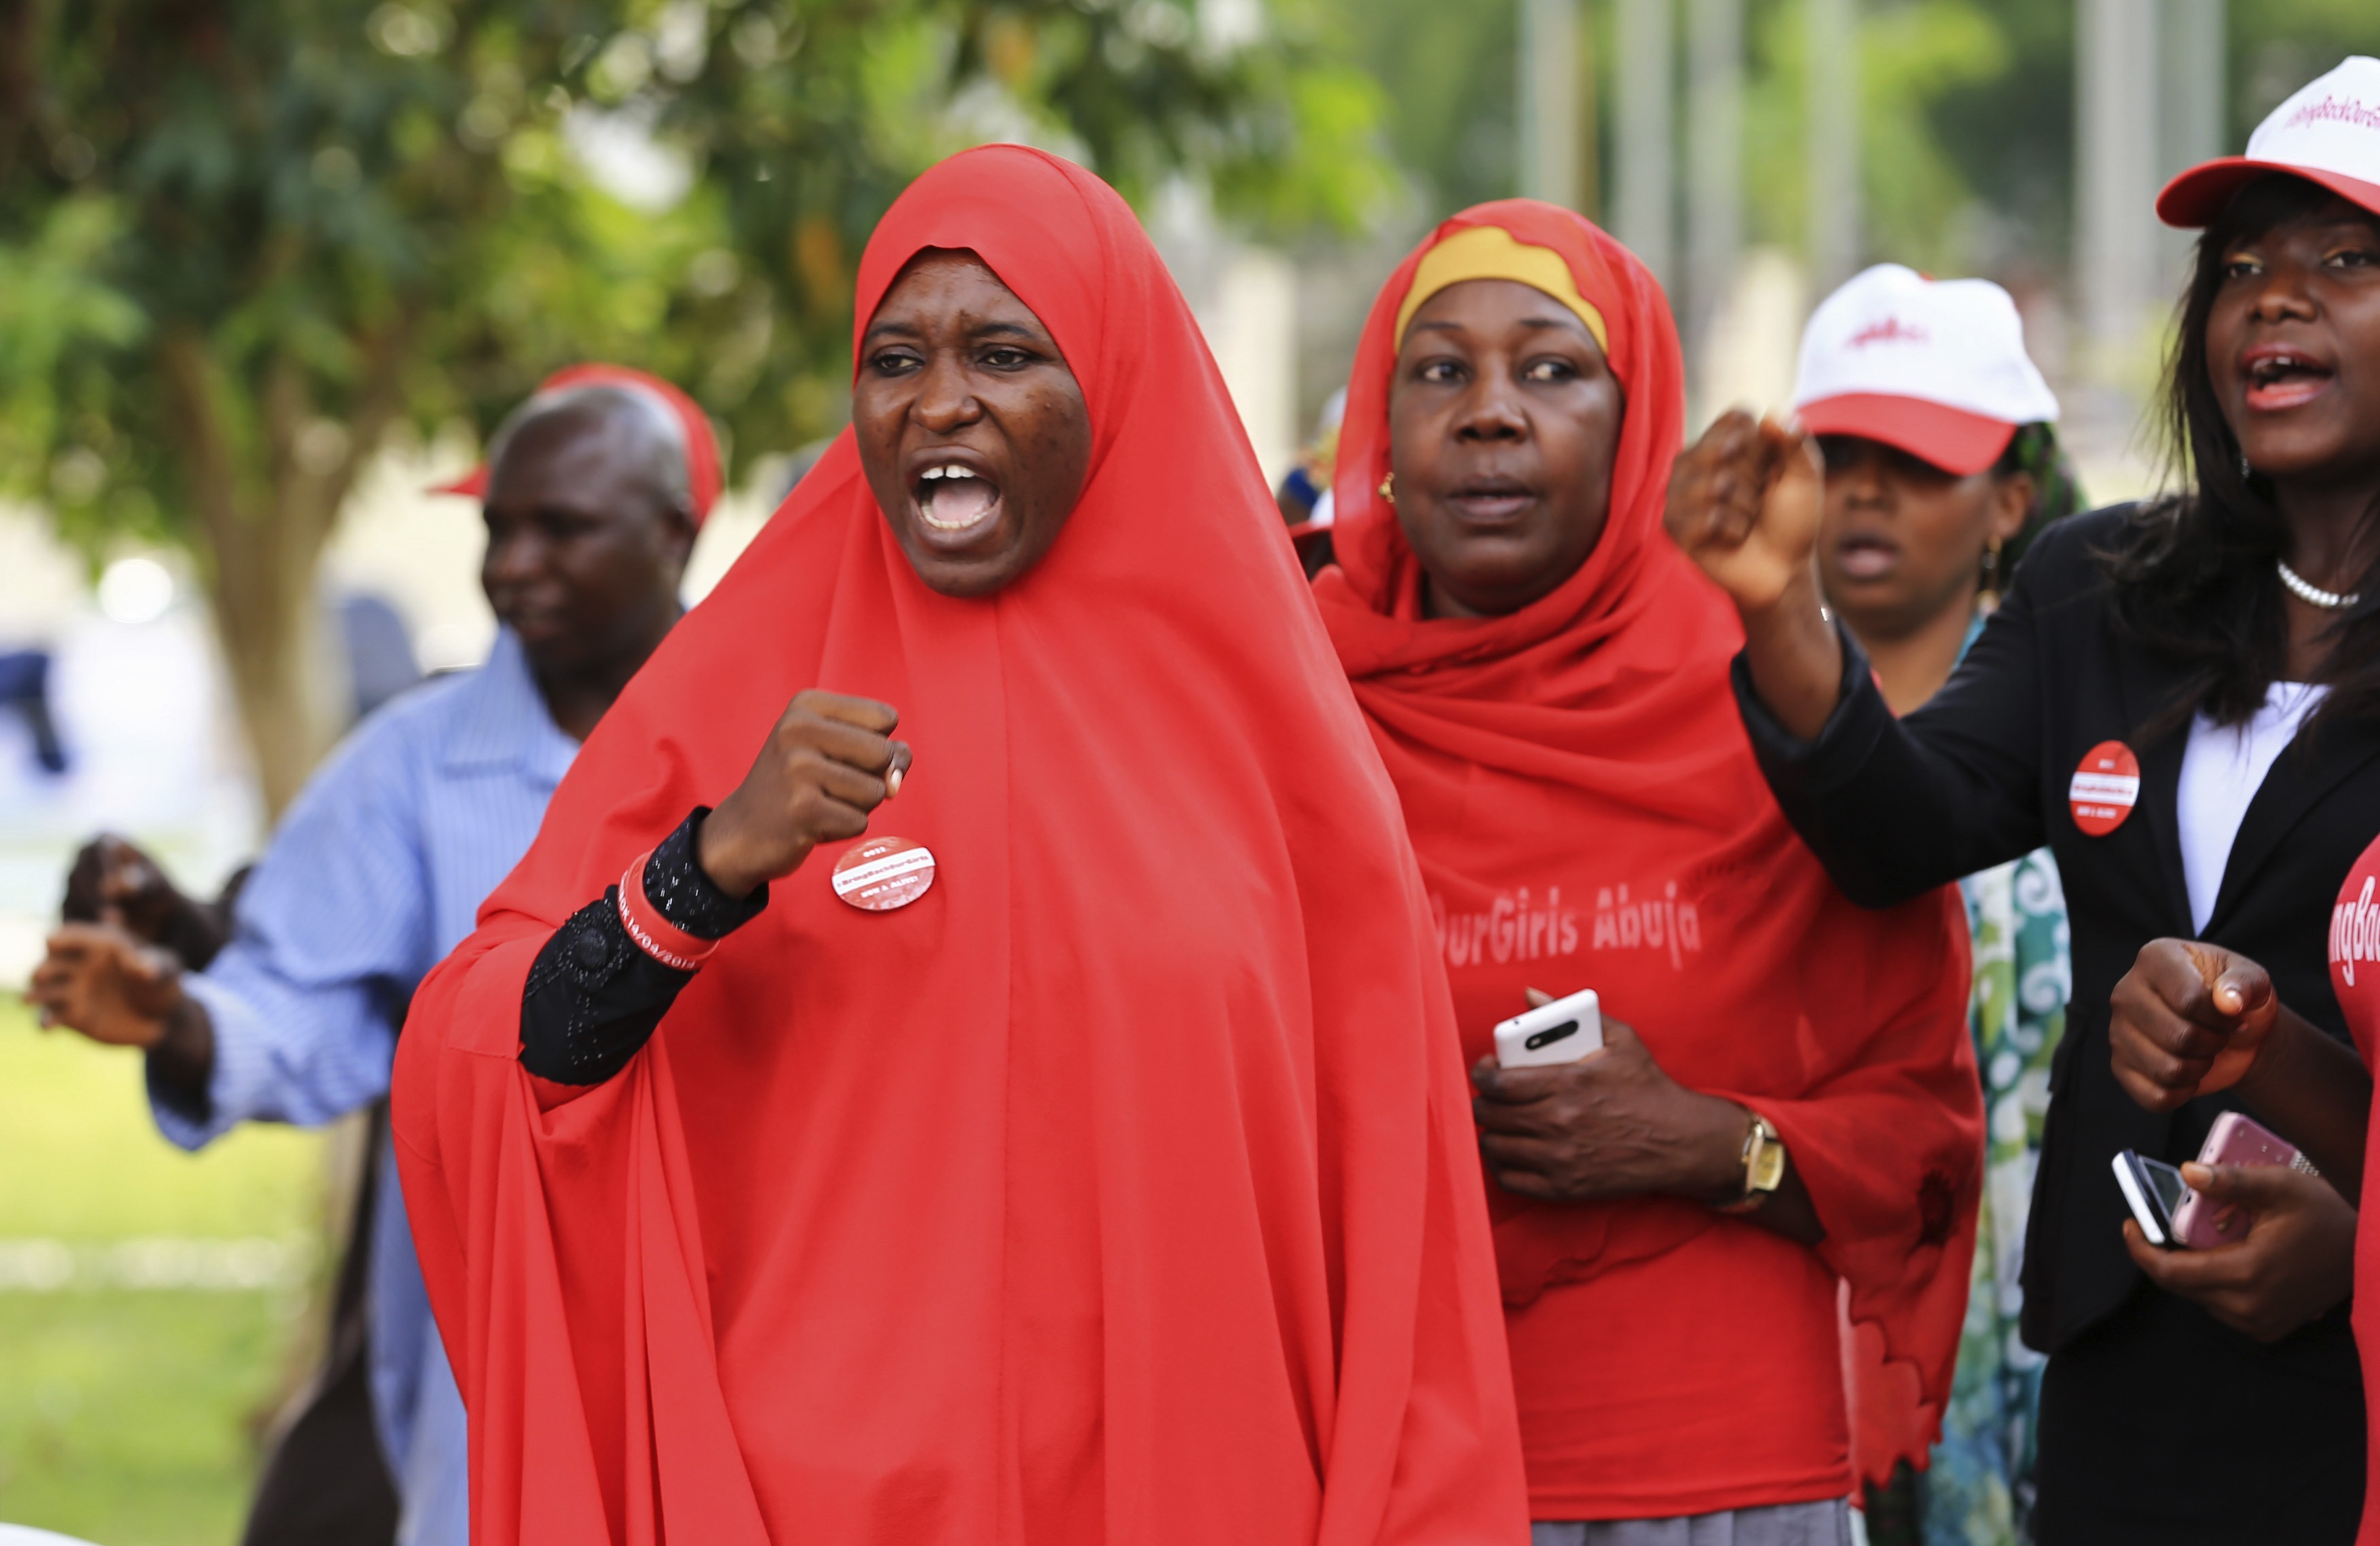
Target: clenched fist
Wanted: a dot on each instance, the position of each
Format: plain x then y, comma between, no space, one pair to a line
2186,1021
1744,503
828,763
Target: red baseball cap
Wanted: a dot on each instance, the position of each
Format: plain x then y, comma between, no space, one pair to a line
2329,133
1957,442
1936,367
702,471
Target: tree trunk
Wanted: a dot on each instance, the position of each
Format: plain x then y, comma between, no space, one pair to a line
260,582
265,508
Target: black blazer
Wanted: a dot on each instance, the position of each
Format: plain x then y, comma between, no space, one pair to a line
1980,775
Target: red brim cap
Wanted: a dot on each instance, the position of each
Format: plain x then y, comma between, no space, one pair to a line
2193,201
1958,442
705,476
473,485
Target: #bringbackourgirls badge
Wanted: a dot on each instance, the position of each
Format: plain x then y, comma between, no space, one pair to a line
2104,788
884,873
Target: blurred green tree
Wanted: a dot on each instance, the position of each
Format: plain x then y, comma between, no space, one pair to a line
1451,78
1968,110
239,243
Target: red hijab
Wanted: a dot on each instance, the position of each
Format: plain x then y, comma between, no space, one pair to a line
704,475
1587,814
1120,1188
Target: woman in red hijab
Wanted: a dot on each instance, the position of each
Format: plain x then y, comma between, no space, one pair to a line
1547,680
1081,1156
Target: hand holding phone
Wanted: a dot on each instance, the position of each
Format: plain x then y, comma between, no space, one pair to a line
2296,1262
1561,1032
2200,1222
2173,1214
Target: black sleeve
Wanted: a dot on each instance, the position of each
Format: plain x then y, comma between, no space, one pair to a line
1895,807
593,997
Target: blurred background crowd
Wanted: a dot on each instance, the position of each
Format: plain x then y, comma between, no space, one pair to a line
269,272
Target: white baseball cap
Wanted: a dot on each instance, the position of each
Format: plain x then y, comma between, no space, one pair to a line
2329,133
1933,367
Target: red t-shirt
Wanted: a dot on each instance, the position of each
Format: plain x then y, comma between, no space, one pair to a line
2355,977
1667,1361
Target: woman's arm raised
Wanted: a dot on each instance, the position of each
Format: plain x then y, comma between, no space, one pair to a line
605,978
1892,808
1744,501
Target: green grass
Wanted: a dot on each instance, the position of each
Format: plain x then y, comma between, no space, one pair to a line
125,1416
129,1417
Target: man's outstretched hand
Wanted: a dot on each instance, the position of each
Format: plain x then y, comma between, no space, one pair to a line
98,979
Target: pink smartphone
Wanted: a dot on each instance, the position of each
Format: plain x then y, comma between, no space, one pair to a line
2234,1140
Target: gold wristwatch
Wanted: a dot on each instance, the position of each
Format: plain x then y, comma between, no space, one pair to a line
1764,1165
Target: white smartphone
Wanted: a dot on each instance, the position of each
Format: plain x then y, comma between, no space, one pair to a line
1561,1032
2154,1191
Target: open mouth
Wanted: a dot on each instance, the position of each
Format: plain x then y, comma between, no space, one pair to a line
1865,556
1491,500
2280,377
955,502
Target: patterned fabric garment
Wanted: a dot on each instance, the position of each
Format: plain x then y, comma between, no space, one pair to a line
1979,1488
1804,1524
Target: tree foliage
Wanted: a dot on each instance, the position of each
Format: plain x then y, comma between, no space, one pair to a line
238,241
1967,108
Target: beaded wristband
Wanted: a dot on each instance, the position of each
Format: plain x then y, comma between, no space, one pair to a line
655,935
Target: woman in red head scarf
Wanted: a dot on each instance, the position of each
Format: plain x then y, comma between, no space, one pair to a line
1081,1157
1545,677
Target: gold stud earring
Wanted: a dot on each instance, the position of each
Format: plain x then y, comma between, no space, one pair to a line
1389,487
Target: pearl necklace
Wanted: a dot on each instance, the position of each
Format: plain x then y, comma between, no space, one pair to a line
2314,595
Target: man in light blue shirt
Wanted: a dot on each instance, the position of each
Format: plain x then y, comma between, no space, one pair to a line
380,866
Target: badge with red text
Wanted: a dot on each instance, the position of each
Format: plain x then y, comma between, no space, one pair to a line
884,873
2104,789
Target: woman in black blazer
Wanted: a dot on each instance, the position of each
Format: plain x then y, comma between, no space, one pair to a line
2238,1416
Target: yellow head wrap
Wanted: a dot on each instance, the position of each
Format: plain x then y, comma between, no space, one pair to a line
1491,252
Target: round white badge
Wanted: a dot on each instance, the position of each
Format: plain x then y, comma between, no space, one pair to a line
884,873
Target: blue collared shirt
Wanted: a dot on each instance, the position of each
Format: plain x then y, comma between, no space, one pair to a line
376,873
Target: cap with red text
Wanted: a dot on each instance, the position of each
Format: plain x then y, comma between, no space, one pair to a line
2329,133
1936,367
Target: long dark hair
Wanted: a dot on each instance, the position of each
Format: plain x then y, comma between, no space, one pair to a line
2194,573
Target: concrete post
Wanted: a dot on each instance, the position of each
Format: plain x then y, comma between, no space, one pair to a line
1714,159
1834,144
1552,111
2117,244
1644,114
2195,123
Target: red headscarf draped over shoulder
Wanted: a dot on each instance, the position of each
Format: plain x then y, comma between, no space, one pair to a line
1587,814
1118,1188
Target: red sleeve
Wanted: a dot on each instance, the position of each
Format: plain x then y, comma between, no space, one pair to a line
1891,1149
560,1346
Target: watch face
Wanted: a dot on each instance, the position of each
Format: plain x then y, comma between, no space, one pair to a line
1768,1167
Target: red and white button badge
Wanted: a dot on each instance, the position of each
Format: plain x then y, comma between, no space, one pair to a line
2104,788
884,873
